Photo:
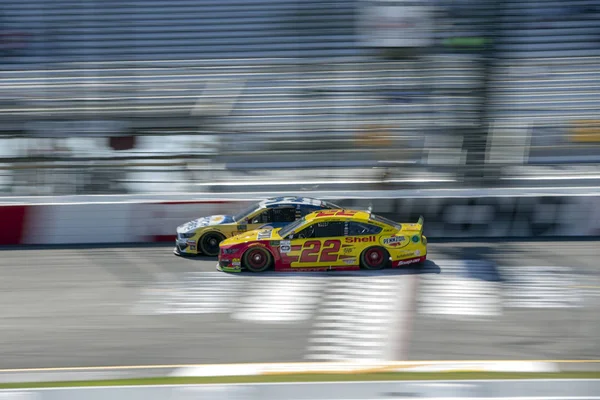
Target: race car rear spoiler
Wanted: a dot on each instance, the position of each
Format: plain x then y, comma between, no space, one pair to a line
420,223
418,227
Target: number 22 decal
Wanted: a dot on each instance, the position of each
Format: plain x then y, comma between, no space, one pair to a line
312,249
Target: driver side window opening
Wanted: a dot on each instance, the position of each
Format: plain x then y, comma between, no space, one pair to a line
280,214
322,230
283,214
361,228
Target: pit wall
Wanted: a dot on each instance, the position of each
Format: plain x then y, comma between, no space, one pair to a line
124,222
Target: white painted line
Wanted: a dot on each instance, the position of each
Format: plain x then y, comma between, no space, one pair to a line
519,398
551,177
368,363
215,370
280,300
345,321
316,365
515,366
357,319
541,287
398,340
327,336
376,315
212,293
453,295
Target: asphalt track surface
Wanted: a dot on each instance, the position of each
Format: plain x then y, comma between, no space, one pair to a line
146,306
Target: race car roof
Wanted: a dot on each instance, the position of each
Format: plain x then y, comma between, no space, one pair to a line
359,215
276,201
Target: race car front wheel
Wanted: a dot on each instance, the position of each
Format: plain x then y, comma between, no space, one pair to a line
257,259
374,258
209,243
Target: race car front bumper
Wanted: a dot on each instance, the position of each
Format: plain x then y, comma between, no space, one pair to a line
229,265
184,247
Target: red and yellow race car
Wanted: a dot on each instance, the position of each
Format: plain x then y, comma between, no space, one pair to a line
326,240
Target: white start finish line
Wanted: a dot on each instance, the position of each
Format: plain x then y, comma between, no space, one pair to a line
460,292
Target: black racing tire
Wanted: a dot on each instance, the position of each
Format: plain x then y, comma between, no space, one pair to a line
208,244
257,259
374,258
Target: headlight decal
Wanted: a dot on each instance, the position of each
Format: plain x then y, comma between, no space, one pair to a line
230,251
187,235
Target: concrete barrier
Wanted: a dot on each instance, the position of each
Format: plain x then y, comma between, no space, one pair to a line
466,214
495,389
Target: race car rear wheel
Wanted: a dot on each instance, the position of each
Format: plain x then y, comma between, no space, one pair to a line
209,243
374,258
257,259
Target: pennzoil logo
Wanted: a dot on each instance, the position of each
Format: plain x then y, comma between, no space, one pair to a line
394,240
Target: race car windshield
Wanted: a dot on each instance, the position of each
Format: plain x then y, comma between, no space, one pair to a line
286,230
241,215
386,221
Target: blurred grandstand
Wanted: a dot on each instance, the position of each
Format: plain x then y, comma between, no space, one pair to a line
225,95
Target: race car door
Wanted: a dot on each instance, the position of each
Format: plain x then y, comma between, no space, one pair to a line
317,245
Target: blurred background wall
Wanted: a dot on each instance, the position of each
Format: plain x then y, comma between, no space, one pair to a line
138,96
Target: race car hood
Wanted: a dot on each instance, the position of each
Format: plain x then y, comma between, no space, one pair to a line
255,235
205,221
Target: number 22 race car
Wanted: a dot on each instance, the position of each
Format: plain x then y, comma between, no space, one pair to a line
326,240
203,235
